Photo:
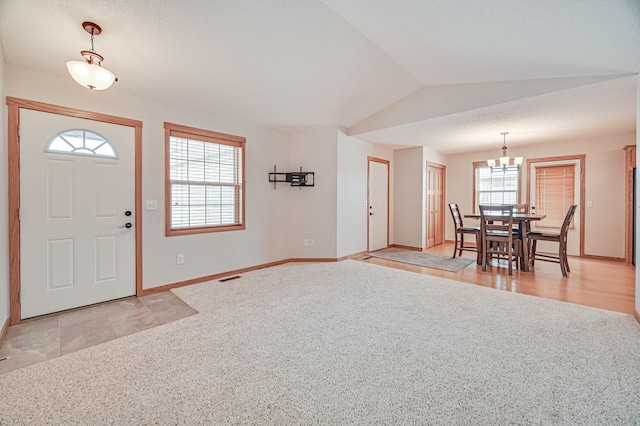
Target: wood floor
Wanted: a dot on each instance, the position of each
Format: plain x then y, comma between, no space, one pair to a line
597,283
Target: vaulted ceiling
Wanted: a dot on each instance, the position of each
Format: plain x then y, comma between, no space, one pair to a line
447,74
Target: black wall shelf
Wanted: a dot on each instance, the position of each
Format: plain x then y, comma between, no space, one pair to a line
298,179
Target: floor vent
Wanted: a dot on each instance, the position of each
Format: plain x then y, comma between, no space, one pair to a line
235,277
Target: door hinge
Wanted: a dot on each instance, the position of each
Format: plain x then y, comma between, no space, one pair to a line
20,297
19,218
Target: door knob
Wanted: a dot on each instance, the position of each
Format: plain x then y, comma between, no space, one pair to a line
126,225
127,213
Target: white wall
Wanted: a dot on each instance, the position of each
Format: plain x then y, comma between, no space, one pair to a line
265,237
4,199
604,186
409,197
352,212
312,211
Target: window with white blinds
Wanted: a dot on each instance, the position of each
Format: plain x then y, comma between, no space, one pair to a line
555,192
205,180
496,185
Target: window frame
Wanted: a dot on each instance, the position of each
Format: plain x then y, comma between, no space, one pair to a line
480,164
77,150
177,130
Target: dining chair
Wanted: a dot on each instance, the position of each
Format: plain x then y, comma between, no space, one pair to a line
522,208
560,238
497,233
461,230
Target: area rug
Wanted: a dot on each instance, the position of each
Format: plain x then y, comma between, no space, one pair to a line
346,343
429,260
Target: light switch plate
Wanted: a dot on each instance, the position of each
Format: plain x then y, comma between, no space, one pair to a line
152,204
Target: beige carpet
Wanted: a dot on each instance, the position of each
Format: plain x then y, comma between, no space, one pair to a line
346,343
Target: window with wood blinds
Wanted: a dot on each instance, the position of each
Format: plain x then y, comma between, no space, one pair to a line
555,191
205,180
496,185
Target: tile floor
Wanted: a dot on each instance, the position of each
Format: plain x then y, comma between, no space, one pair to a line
54,335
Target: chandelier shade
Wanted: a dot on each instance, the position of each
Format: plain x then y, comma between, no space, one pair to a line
505,161
90,73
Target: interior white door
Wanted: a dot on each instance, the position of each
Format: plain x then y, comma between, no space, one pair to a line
378,205
573,234
74,247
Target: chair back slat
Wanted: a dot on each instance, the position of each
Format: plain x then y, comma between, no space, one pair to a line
567,220
521,208
457,217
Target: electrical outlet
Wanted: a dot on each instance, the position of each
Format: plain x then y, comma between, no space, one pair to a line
311,242
179,259
306,243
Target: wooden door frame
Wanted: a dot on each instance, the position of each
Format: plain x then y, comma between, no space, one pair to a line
582,159
630,164
444,191
388,163
14,106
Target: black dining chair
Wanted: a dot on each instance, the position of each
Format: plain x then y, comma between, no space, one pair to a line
461,231
560,238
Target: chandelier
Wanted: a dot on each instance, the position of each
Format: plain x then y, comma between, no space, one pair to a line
90,73
505,161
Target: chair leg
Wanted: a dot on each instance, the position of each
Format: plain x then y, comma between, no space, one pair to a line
461,245
566,259
455,246
508,248
562,258
485,255
532,252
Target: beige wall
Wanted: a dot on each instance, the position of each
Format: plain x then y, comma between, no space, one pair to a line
408,197
352,211
265,237
637,206
4,199
312,211
604,186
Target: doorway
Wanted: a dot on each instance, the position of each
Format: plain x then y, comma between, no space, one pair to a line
436,188
378,204
61,176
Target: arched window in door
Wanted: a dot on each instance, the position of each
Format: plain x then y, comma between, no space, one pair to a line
81,142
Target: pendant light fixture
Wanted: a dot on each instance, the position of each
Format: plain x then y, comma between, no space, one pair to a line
505,161
90,73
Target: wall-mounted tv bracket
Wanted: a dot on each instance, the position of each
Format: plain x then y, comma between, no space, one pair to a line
298,179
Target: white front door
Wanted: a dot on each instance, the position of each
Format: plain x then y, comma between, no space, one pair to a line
378,205
75,248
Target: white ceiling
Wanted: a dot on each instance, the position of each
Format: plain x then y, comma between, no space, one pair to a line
298,64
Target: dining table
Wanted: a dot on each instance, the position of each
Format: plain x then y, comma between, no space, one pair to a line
524,224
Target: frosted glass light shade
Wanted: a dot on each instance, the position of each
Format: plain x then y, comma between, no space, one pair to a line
504,161
517,161
90,75
491,163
